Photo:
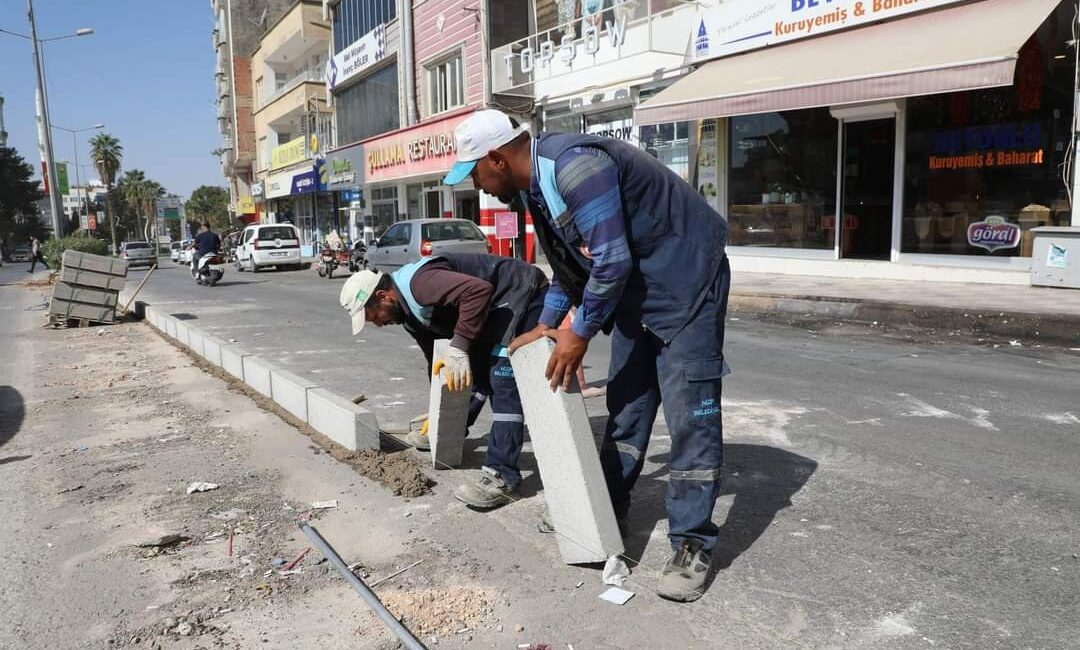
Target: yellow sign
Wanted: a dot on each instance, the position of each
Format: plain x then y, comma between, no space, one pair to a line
289,153
245,205
314,144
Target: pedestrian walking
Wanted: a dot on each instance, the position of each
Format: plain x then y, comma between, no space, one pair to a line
36,255
641,255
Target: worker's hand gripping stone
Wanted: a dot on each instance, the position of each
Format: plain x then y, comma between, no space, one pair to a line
458,371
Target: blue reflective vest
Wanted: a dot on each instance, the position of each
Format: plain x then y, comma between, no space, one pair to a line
676,239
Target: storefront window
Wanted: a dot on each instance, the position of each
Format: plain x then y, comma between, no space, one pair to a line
782,179
383,208
562,121
985,167
670,143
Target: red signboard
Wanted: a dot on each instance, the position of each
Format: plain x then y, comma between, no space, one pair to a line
506,225
427,148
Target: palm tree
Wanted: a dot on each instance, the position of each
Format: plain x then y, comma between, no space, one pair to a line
106,152
132,186
152,191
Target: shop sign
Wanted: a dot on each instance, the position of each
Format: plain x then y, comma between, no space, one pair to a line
428,149
734,27
617,129
245,205
995,145
993,234
305,183
91,221
368,50
567,49
290,153
258,190
279,185
345,167
506,225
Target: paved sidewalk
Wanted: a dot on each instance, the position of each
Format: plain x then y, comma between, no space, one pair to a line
953,295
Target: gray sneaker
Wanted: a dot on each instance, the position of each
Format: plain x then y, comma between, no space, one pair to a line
685,574
487,492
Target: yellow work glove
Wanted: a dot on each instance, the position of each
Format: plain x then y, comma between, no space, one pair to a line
458,371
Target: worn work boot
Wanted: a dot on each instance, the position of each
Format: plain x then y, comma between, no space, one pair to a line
683,577
487,492
418,433
418,440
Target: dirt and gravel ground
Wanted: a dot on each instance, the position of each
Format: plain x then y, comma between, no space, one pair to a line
106,548
877,493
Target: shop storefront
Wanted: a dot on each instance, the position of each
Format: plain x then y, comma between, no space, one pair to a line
900,141
404,171
343,170
298,196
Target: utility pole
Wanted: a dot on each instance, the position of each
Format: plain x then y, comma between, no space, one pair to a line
44,132
3,132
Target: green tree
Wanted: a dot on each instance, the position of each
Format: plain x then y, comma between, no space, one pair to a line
131,186
106,152
19,194
209,203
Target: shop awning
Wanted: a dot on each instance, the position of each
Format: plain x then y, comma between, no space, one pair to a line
962,48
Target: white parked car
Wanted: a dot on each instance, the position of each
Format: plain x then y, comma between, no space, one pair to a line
265,245
138,252
174,251
187,250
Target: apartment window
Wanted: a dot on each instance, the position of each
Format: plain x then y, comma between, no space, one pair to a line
446,85
354,18
368,107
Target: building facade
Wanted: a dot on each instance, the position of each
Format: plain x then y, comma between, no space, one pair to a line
238,24
293,123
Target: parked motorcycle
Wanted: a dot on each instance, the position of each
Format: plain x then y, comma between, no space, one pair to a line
358,259
330,260
210,269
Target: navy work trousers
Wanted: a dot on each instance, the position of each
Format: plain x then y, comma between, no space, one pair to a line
686,375
494,380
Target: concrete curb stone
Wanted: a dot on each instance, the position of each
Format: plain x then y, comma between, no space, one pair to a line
347,424
290,391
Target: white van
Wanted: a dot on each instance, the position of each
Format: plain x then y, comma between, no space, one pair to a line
268,244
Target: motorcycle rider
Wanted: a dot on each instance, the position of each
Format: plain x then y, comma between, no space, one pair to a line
206,242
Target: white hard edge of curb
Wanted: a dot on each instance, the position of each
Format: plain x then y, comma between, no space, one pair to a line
159,319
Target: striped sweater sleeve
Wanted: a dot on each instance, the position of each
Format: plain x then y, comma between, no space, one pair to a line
588,180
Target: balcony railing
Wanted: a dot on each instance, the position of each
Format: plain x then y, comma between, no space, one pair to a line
317,76
624,28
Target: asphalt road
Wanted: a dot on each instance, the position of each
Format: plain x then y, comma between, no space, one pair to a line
878,493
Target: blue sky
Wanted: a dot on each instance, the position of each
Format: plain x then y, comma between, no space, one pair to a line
146,73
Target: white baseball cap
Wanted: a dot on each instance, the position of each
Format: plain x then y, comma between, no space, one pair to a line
483,131
355,293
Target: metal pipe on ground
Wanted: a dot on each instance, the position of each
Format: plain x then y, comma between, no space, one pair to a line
399,630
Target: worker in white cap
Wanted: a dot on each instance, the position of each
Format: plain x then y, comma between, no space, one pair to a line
641,255
480,303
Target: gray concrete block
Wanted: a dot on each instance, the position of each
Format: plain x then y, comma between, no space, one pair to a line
448,415
195,339
152,316
349,425
181,335
257,375
290,391
212,350
170,325
562,441
232,361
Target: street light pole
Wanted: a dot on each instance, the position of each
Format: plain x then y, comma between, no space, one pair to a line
46,132
75,145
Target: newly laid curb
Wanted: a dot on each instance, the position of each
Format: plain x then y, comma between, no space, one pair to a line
349,425
1047,328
